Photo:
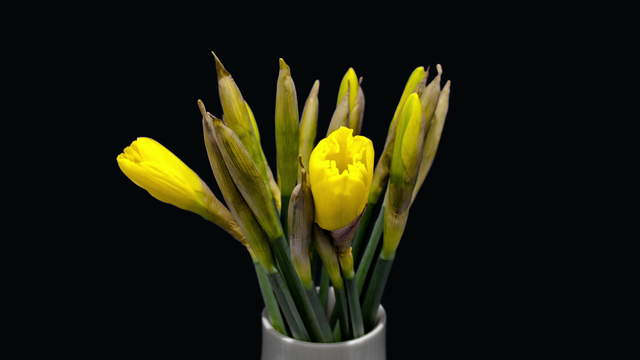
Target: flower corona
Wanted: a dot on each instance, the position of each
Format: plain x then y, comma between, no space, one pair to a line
341,170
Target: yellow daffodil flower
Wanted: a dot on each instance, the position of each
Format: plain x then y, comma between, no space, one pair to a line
340,170
156,169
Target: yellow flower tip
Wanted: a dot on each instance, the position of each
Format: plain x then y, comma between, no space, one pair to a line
156,169
349,84
315,89
340,173
202,108
221,71
283,65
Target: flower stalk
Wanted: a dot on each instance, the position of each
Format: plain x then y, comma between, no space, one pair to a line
325,249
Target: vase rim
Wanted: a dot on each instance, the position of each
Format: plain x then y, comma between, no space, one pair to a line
380,324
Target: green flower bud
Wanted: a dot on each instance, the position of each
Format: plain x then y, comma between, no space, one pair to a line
415,84
287,137
256,240
407,153
238,116
309,124
235,109
350,104
433,137
253,187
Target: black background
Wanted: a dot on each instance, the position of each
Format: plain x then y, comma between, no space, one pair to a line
152,280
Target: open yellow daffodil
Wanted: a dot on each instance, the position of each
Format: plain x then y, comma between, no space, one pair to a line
341,171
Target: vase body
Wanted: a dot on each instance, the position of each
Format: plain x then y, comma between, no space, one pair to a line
371,346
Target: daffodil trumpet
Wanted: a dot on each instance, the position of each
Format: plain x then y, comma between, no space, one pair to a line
323,201
340,170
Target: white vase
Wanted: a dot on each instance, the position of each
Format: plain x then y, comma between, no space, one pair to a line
371,346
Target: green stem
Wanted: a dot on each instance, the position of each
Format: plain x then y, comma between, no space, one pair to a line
324,288
369,253
284,213
337,333
317,326
341,309
334,315
317,305
316,267
361,233
376,289
270,301
355,312
288,307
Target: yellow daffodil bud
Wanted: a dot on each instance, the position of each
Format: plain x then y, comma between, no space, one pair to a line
351,116
253,187
415,84
433,137
300,226
405,163
256,240
322,244
309,124
156,169
340,171
287,137
349,86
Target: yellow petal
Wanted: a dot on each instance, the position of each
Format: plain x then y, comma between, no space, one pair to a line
340,171
162,186
156,169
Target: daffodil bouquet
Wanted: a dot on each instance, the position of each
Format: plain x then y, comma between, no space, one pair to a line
320,205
